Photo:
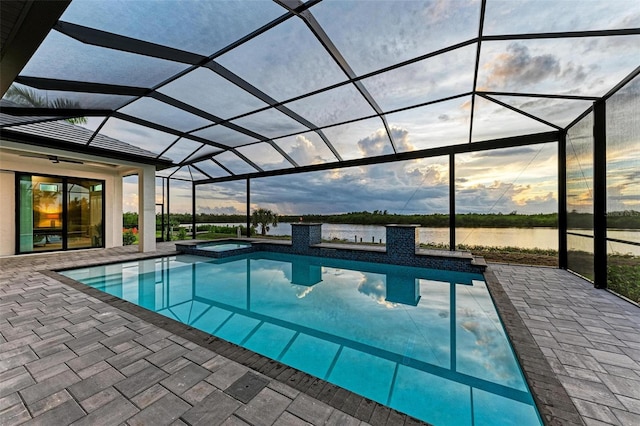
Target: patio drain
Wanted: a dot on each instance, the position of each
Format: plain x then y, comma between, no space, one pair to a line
246,387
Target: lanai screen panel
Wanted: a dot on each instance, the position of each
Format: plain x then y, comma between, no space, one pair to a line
580,208
623,162
344,80
514,183
623,189
216,201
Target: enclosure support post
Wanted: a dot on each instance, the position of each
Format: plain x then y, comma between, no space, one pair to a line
600,194
162,179
161,238
453,356
562,200
168,212
194,231
452,202
248,207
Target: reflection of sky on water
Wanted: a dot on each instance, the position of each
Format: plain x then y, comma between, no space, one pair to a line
482,348
375,287
341,327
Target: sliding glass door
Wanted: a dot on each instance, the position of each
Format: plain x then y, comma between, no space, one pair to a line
84,213
58,213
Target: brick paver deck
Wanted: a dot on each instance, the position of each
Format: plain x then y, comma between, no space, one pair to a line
589,337
73,355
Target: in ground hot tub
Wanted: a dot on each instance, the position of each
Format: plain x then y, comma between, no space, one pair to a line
221,246
217,249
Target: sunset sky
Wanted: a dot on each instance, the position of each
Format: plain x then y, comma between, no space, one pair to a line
517,179
288,61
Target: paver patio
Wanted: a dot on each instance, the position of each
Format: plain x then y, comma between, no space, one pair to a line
589,337
83,357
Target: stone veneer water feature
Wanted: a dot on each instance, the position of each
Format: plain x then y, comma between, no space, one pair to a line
306,239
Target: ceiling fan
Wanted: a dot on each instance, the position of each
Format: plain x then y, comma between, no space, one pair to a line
53,158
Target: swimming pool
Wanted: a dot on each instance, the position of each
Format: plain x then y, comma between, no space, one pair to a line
425,342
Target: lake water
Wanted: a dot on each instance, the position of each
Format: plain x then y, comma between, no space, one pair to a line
543,238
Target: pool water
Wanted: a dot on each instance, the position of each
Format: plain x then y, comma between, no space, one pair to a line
428,343
220,247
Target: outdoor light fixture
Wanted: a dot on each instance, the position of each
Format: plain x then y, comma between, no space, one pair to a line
53,217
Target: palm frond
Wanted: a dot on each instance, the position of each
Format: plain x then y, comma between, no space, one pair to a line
25,96
29,97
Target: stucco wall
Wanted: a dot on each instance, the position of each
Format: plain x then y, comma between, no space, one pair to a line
7,211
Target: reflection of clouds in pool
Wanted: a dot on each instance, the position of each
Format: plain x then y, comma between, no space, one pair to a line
277,277
301,290
335,272
482,350
474,328
375,287
369,284
268,276
489,354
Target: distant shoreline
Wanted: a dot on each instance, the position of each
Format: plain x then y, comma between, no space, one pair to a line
619,220
622,220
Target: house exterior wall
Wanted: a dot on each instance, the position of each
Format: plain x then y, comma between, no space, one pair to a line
7,211
112,174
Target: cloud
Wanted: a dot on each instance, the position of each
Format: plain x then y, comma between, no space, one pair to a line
378,142
633,176
221,191
438,10
409,186
511,152
517,66
526,199
413,186
557,111
220,198
575,72
630,21
304,151
219,210
503,197
623,192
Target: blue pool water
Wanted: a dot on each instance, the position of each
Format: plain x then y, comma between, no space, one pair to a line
425,342
219,247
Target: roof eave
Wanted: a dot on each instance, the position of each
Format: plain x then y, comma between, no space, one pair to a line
7,134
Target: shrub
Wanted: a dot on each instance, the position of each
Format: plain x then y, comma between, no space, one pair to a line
128,237
182,233
623,275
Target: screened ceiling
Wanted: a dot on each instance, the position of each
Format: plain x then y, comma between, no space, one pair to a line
234,89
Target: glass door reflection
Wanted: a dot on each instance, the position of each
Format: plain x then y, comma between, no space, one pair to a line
84,218
47,213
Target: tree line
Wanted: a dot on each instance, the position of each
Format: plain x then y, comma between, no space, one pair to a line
628,219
